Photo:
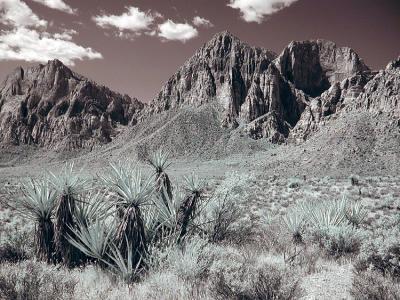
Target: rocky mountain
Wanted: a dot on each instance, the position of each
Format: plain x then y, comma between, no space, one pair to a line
50,105
270,95
227,89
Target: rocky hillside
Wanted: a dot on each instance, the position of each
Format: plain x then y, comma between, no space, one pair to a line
227,93
271,95
49,105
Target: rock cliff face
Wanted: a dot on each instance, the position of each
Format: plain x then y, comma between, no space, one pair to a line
223,69
269,94
49,105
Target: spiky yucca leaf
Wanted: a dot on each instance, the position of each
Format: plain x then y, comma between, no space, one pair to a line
322,215
69,186
128,183
159,160
92,207
193,184
167,208
123,265
38,200
295,222
38,203
356,213
93,240
69,182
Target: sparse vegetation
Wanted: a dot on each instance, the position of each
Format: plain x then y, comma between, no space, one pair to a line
204,241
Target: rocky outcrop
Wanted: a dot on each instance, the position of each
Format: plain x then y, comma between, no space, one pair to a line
382,92
223,69
314,66
270,94
49,105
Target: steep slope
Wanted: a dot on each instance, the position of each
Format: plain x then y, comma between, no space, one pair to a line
49,105
268,94
223,70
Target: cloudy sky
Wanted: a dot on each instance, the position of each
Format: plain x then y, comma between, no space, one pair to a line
133,46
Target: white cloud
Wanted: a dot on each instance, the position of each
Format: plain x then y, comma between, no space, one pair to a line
65,35
33,46
256,10
170,30
58,5
133,20
17,14
199,21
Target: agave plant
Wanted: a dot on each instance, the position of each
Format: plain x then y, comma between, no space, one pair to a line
295,222
187,209
69,186
93,240
356,213
38,203
159,160
134,191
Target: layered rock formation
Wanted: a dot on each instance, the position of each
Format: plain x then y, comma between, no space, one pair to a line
49,105
270,95
223,69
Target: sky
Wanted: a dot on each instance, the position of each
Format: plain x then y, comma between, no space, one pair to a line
134,46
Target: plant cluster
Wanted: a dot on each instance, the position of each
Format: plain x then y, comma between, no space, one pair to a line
333,224
117,223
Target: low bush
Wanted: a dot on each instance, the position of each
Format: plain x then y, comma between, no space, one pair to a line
373,285
35,280
381,252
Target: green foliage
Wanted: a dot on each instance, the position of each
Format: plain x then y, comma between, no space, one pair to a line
69,182
131,187
159,160
93,240
295,222
356,213
373,285
381,252
38,200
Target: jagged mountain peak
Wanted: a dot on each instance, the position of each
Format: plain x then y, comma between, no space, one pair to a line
52,106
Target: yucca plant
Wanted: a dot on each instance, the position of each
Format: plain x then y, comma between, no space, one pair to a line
194,188
92,208
166,212
322,215
356,213
134,191
124,265
159,160
295,222
38,203
93,240
69,186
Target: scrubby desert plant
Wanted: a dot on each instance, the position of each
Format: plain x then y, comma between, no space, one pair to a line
340,240
374,286
322,215
134,191
37,203
159,160
381,252
31,280
355,213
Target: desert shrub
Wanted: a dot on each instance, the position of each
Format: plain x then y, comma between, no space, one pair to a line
16,245
374,286
340,240
381,252
294,183
237,276
35,280
295,223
